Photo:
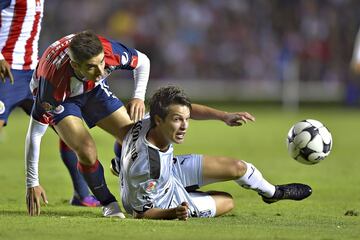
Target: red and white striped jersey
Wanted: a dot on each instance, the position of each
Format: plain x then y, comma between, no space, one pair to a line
20,25
57,78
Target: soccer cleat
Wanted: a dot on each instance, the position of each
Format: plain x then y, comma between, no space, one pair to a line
112,210
115,166
292,191
89,201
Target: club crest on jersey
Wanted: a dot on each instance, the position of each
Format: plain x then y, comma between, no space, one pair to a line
124,58
2,107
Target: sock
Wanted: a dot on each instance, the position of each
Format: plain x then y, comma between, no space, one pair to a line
254,180
117,150
70,160
94,176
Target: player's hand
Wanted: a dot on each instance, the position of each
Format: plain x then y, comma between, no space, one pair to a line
182,211
5,71
33,195
238,118
136,109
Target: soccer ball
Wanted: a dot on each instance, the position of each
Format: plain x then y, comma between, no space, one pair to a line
309,141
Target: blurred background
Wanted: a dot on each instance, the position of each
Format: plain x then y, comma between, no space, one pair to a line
285,51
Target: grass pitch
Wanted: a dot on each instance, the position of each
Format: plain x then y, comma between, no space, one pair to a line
332,212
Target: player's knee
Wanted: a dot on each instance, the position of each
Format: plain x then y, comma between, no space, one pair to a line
229,202
239,169
86,151
224,203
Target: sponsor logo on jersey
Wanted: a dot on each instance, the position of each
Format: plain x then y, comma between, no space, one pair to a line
151,186
2,107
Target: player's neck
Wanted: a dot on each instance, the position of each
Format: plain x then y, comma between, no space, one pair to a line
78,75
157,139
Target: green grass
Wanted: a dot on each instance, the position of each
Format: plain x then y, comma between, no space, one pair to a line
335,182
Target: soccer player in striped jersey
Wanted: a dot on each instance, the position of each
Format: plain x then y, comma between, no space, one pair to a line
20,25
70,85
158,185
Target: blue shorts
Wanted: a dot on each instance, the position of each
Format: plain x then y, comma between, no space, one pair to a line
91,106
17,94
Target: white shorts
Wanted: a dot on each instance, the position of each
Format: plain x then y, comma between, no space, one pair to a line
204,203
188,169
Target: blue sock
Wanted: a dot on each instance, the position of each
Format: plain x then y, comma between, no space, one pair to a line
70,160
94,176
117,150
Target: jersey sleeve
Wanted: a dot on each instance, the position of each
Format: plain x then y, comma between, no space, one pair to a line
45,102
145,196
119,55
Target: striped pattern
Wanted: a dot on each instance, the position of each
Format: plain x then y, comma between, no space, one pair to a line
19,32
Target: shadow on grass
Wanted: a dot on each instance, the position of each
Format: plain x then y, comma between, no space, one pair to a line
45,213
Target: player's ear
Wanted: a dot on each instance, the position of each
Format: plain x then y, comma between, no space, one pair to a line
157,120
74,65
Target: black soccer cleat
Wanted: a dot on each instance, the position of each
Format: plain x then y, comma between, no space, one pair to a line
115,166
292,191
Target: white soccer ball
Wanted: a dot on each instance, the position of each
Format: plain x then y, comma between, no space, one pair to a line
309,142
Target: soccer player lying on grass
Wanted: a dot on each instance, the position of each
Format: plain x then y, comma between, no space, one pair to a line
156,184
70,81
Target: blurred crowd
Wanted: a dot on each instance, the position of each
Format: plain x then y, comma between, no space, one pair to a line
220,39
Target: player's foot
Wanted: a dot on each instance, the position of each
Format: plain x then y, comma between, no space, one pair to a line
292,191
89,201
112,210
115,166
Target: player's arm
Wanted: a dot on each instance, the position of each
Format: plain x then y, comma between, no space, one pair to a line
5,71
139,63
181,212
40,117
136,106
202,112
34,191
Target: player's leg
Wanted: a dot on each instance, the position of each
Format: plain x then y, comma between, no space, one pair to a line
212,203
117,124
82,196
73,132
245,174
223,201
248,176
100,107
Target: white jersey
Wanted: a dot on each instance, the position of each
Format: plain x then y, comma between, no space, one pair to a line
20,25
148,176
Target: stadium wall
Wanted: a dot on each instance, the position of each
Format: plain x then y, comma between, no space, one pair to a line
245,90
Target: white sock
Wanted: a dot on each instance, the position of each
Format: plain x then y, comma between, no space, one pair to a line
254,180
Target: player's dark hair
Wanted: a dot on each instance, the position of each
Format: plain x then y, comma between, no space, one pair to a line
85,45
162,99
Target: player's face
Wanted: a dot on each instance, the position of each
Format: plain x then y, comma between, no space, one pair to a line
174,126
93,69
